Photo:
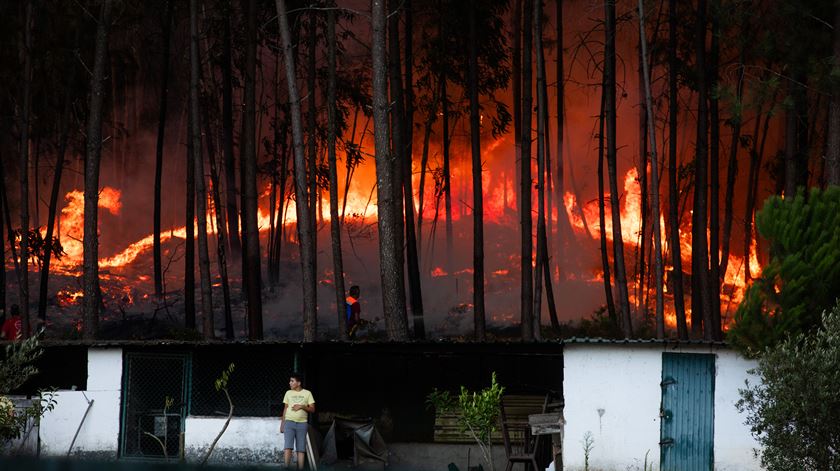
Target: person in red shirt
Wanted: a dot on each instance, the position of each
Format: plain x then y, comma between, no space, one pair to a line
12,327
353,310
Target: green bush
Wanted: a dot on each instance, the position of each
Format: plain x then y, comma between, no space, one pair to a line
794,411
478,413
803,276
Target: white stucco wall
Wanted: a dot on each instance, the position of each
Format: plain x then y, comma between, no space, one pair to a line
613,393
99,435
734,445
622,381
246,440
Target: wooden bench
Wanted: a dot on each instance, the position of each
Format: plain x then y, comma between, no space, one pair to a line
517,407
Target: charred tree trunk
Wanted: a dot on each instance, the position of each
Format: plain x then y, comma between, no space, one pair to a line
701,305
92,297
3,241
796,135
643,240
304,223
714,177
447,179
252,240
424,162
654,175
312,155
756,156
516,71
832,158
208,327
527,280
673,172
732,168
164,94
602,217
393,298
397,120
541,158
64,126
564,231
610,111
221,224
403,201
335,228
227,136
189,251
402,146
23,170
478,197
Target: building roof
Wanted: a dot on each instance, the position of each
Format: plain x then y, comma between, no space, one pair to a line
442,343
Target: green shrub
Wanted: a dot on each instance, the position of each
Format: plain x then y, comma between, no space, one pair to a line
794,411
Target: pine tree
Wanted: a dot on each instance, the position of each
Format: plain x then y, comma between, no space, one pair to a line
802,277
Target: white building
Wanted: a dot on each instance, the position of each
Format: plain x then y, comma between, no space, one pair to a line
652,401
669,404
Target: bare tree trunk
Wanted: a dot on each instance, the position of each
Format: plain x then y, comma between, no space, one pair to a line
92,298
643,240
24,168
221,225
201,189
403,203
393,298
563,227
227,139
478,197
314,192
516,71
701,312
610,110
189,251
401,137
7,217
447,178
541,180
3,241
756,156
796,133
732,167
64,127
714,178
424,162
654,175
164,94
832,158
252,241
673,203
602,217
304,223
527,280
335,228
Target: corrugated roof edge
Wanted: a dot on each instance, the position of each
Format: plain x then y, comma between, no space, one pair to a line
442,342
601,340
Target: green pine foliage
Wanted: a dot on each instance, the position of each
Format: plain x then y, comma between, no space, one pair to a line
802,278
794,410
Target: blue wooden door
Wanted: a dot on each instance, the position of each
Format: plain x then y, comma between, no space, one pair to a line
687,413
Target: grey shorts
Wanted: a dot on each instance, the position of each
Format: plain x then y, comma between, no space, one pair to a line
295,433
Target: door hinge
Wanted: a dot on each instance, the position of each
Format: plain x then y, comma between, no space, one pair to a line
667,442
667,381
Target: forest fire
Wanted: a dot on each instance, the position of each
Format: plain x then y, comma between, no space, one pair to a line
520,139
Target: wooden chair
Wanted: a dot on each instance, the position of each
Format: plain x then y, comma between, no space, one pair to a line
520,445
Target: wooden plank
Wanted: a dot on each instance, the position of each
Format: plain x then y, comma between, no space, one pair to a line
517,410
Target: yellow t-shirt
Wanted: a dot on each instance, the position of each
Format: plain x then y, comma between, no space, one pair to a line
302,397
